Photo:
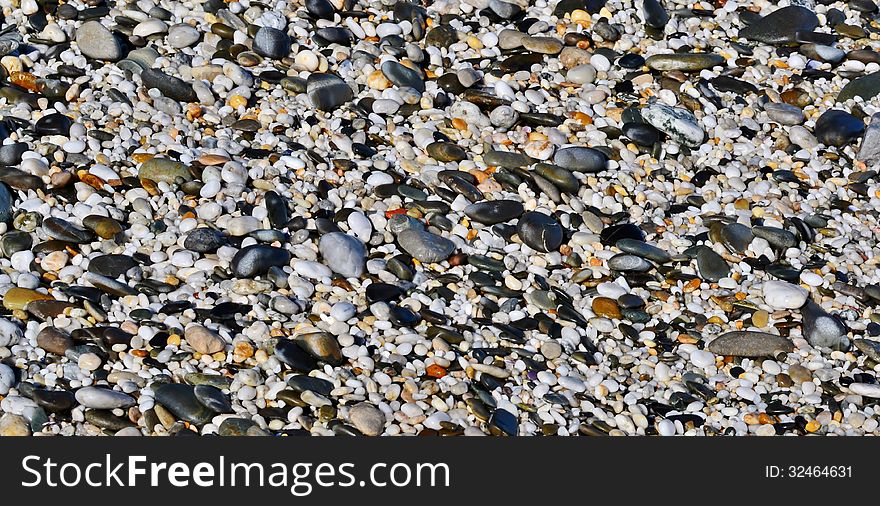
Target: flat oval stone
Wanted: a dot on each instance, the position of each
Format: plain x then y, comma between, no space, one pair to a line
164,170
327,91
506,159
580,159
495,211
257,259
749,344
103,398
626,262
403,76
867,87
204,340
54,401
425,246
170,86
684,62
539,231
643,249
838,128
271,43
204,240
446,152
737,237
321,345
54,340
95,41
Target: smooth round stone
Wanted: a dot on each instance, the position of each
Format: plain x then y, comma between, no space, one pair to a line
503,116
103,398
322,346
10,333
507,159
164,170
446,152
678,123
290,353
495,211
543,45
749,344
256,259
327,91
170,86
403,76
344,254
782,295
784,114
204,340
103,226
54,340
204,240
321,9
684,62
182,35
580,159
343,311
366,418
561,178
425,246
624,262
702,359
182,402
631,61
539,231
838,128
605,307
271,43
811,279
581,74
97,42
53,124
112,266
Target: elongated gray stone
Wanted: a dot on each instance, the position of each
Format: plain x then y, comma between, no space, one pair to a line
684,62
749,344
425,246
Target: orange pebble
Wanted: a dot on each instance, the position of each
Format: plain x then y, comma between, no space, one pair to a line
435,371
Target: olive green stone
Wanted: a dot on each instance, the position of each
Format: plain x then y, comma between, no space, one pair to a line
18,298
164,170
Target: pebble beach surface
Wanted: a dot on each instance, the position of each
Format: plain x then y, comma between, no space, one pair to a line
458,217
